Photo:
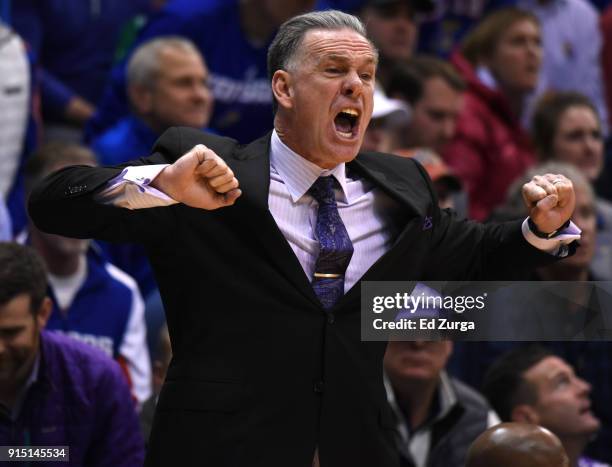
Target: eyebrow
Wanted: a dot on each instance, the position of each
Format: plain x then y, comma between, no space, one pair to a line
560,372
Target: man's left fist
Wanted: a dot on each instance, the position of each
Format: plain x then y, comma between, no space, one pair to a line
550,200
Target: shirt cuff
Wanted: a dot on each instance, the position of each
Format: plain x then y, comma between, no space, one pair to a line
557,245
131,189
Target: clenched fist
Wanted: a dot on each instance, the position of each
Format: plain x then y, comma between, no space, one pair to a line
199,179
550,200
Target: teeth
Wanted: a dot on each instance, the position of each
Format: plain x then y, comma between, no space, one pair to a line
350,112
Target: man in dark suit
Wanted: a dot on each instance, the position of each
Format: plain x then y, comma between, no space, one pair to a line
263,310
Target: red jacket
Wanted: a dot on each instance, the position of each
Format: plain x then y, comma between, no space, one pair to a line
490,148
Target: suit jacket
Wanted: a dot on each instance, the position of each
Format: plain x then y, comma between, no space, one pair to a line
261,375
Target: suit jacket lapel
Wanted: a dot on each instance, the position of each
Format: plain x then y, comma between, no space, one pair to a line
402,194
251,165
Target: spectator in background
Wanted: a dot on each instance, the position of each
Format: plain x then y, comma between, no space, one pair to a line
93,301
75,43
167,85
55,391
18,128
500,60
434,91
566,128
532,385
517,444
392,26
389,119
239,84
572,44
437,417
163,355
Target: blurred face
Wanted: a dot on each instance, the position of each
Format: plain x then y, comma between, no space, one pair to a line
61,246
416,361
19,338
578,141
325,102
434,116
516,60
392,29
563,405
180,95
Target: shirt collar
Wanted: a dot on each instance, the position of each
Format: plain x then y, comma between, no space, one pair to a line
299,174
447,399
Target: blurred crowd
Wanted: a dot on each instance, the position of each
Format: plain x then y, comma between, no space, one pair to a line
483,93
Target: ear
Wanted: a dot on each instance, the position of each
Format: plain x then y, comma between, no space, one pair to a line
141,99
281,88
44,312
526,414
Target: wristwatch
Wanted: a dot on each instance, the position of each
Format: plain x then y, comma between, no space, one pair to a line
543,235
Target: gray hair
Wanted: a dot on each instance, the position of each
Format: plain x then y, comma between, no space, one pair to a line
143,67
284,47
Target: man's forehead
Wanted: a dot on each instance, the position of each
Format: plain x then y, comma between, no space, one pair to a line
547,368
171,57
15,310
341,44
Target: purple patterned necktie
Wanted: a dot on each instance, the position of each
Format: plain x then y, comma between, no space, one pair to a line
335,246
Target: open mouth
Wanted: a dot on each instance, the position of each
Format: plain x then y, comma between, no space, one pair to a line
347,122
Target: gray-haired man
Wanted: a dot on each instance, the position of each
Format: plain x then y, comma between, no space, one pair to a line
262,297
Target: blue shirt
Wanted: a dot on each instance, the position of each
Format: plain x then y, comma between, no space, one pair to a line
129,139
108,313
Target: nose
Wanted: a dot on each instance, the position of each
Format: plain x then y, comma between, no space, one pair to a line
584,388
593,145
199,92
535,50
352,85
418,344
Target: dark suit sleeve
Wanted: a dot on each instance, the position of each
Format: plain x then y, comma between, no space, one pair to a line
63,203
462,249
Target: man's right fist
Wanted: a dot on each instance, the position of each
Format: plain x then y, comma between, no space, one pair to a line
199,179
